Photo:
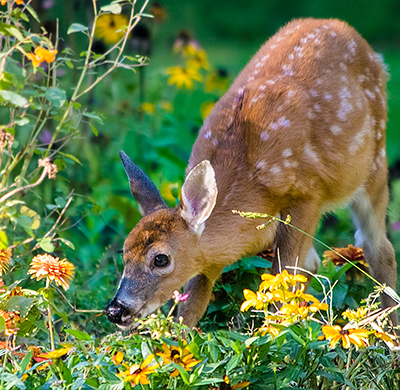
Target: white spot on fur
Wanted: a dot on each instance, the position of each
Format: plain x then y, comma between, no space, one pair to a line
333,34
310,114
313,93
382,153
270,82
310,153
264,136
262,87
318,81
328,96
317,108
275,170
287,70
261,164
382,124
370,94
287,153
359,139
291,56
207,135
378,135
361,78
251,78
336,130
215,142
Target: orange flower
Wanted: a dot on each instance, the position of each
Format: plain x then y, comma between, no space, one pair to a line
117,358
10,320
3,2
5,259
335,333
351,253
61,271
42,54
19,2
178,356
138,374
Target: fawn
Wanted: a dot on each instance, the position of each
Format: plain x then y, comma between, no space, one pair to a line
300,132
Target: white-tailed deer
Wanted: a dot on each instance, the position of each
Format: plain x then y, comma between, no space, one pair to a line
300,131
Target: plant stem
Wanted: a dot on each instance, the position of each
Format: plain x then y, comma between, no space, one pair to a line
50,319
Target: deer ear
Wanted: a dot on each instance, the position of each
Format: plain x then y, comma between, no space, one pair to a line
199,194
142,188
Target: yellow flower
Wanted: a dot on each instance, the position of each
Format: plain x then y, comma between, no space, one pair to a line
270,329
148,108
335,333
383,336
239,385
57,353
183,77
257,300
46,266
5,260
283,280
357,315
217,80
166,106
198,60
117,358
138,374
178,356
206,108
109,27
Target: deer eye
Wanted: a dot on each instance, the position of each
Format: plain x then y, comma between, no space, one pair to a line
161,260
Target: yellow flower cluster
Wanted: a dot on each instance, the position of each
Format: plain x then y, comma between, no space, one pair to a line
139,373
294,305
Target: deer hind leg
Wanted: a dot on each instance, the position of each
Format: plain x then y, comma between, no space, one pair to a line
293,247
369,214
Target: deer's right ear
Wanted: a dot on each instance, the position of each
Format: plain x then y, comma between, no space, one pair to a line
142,188
199,194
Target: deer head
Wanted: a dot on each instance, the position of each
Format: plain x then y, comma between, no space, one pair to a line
160,252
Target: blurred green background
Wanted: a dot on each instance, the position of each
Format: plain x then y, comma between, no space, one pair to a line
230,32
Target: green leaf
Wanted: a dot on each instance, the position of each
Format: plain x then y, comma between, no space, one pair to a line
60,202
147,15
2,324
67,242
95,131
19,303
21,121
33,13
25,361
113,8
78,334
10,30
233,363
56,96
76,27
109,376
46,244
14,98
69,64
12,381
71,157
183,372
93,116
18,74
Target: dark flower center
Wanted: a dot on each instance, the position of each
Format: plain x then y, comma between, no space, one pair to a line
343,332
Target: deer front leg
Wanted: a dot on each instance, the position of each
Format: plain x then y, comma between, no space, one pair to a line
199,289
293,247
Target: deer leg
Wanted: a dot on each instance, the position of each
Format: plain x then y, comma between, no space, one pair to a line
369,214
293,247
199,289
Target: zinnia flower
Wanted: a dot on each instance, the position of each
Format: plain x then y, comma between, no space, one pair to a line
182,77
109,27
335,333
46,266
138,374
178,356
10,319
5,260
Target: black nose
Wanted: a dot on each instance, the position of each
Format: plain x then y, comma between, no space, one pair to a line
115,311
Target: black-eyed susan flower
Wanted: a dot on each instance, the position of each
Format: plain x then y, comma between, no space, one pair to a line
117,358
138,373
182,77
283,280
356,315
335,333
259,299
57,353
5,260
271,329
226,384
177,355
109,27
53,269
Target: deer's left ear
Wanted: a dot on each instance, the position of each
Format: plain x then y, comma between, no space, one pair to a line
199,194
